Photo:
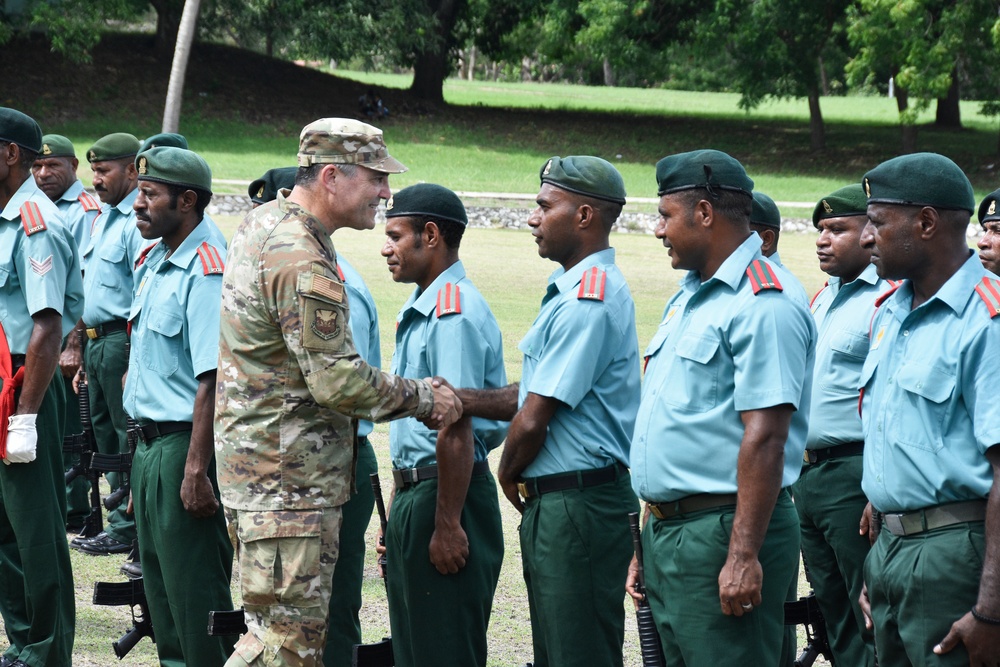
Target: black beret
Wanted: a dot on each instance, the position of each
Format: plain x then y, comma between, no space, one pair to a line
920,179
701,169
21,129
585,175
113,147
428,199
988,209
265,188
765,211
846,202
175,166
164,139
56,145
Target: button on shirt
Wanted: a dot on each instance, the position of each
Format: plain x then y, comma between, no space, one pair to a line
719,351
585,353
108,263
78,220
175,329
930,408
364,324
465,348
843,315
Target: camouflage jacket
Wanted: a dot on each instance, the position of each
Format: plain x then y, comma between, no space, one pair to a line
289,378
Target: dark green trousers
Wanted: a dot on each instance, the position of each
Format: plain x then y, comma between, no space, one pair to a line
186,562
575,551
918,586
77,498
441,619
344,625
36,579
829,501
683,557
106,364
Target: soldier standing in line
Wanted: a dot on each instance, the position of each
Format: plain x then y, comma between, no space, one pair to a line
989,244
290,381
721,427
765,219
41,296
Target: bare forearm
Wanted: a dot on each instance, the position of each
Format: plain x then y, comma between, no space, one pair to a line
525,439
498,404
759,470
40,361
455,456
201,449
988,602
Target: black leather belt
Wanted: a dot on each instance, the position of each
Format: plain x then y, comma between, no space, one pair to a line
929,518
688,504
150,431
564,481
103,329
407,477
813,456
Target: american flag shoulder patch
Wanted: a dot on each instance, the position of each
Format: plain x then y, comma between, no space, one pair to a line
327,288
449,300
592,284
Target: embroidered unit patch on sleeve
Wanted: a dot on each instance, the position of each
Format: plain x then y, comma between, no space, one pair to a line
989,291
211,260
31,218
762,277
592,284
449,300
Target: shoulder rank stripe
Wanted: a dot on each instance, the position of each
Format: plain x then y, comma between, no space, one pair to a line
762,277
143,255
31,218
592,284
211,260
340,273
816,295
88,202
886,294
989,291
449,300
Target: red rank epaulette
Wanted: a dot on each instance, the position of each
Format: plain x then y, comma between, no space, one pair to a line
143,255
762,277
886,294
449,300
592,284
87,202
816,295
31,218
340,273
211,260
989,291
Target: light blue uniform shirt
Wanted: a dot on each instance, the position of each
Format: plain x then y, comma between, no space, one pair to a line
791,285
720,350
175,327
108,262
930,408
76,218
465,348
364,324
37,272
585,353
843,315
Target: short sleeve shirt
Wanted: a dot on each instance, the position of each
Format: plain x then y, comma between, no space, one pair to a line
108,262
364,323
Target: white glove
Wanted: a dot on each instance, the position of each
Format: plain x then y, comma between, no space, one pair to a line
22,439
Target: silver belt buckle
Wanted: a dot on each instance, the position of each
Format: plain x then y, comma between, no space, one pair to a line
894,522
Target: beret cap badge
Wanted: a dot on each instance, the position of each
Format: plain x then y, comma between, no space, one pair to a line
827,207
388,204
142,165
993,207
46,150
868,188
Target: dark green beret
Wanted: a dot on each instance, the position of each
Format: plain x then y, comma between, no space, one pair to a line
18,128
920,179
56,145
988,209
585,175
701,169
427,199
848,201
176,166
164,139
113,147
765,211
265,188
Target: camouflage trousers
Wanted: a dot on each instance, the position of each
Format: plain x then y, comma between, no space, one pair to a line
286,562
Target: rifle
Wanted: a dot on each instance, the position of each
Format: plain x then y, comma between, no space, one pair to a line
806,612
649,638
129,593
383,521
86,445
120,463
378,654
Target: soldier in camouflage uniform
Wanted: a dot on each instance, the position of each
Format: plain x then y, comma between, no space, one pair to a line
290,386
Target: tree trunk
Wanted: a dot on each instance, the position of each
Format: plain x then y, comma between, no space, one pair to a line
949,114
909,130
824,80
817,131
168,20
431,66
609,73
470,74
178,70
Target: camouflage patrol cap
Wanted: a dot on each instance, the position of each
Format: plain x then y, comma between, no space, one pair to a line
174,166
21,129
764,211
265,188
846,202
113,147
346,141
427,199
56,145
988,209
705,168
585,175
920,179
164,139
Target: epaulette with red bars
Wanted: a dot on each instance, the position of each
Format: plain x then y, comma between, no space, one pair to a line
889,292
143,255
989,291
211,260
762,277
87,202
816,295
31,218
592,284
449,300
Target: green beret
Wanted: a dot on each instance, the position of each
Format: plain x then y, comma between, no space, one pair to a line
265,188
920,179
988,209
18,128
56,145
846,202
701,169
113,147
427,199
585,175
175,166
164,139
765,211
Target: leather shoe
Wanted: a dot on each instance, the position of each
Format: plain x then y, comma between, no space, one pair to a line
103,544
79,541
131,570
5,661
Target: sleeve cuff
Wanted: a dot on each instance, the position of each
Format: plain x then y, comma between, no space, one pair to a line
425,399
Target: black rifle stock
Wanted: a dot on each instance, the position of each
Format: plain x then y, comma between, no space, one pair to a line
649,638
805,612
383,521
86,444
380,653
129,593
